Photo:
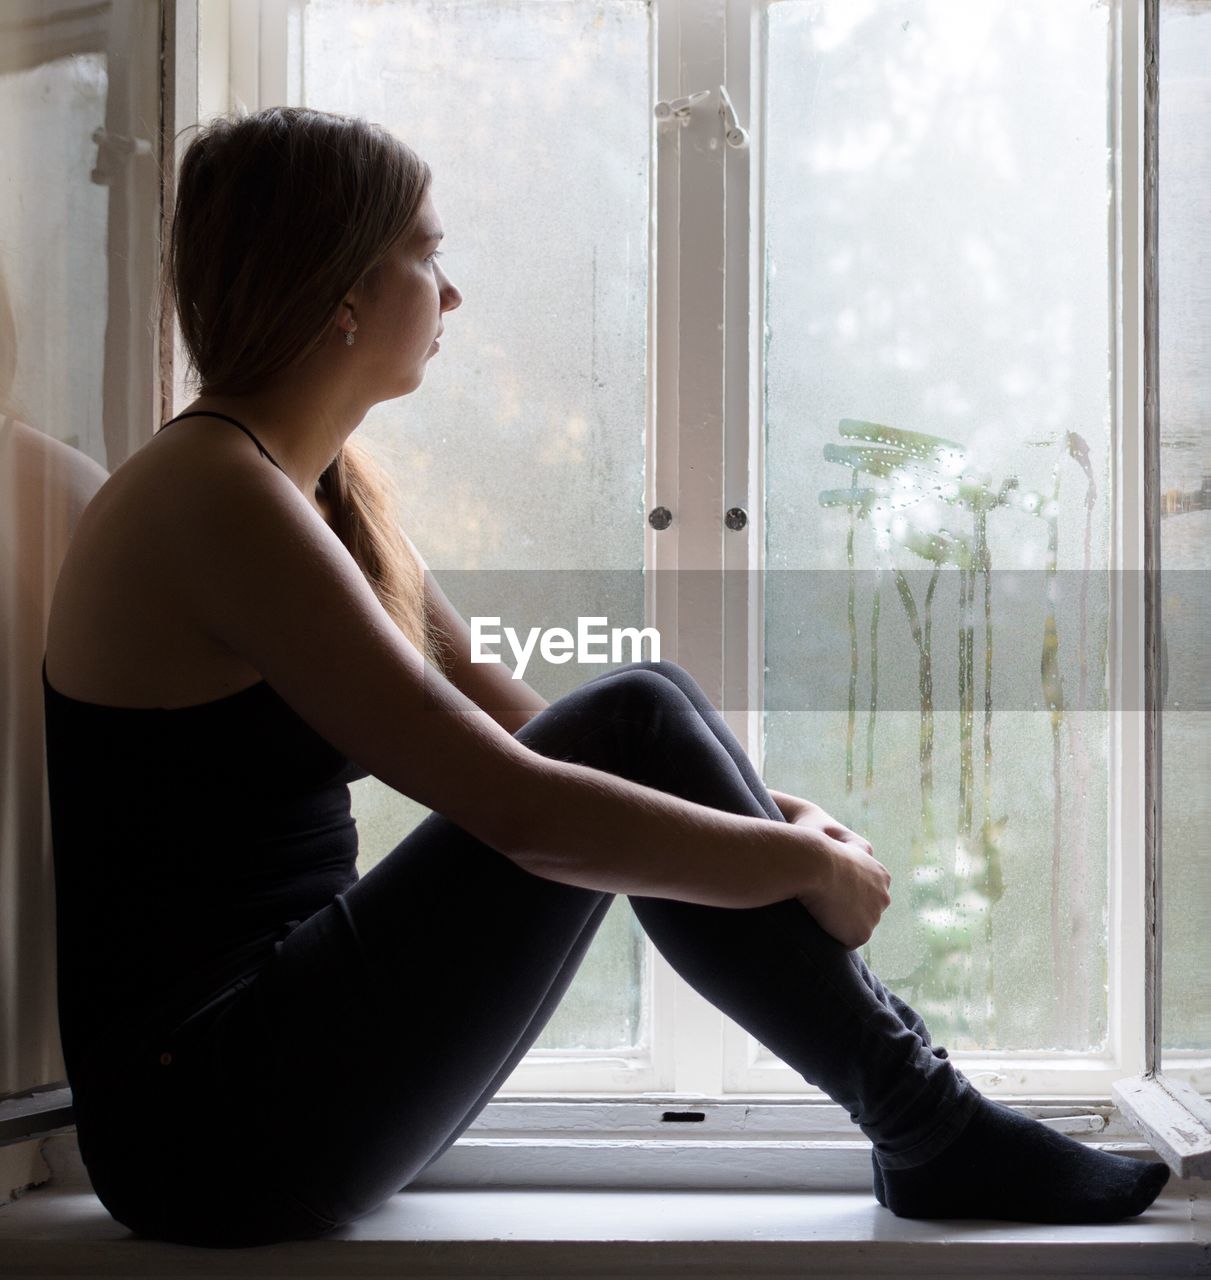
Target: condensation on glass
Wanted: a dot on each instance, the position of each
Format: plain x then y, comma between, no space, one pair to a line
937,337
525,448
78,232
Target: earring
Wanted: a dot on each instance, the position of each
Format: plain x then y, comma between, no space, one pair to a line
348,337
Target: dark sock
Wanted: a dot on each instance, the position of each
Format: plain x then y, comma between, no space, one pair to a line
1004,1165
880,1194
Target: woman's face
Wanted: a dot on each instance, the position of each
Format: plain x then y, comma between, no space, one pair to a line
401,310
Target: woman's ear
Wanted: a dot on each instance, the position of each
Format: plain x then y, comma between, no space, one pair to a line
346,313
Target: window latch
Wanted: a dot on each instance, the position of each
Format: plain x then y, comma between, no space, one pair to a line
735,135
679,109
113,151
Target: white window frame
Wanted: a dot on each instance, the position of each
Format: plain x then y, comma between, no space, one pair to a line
704,457
1166,1106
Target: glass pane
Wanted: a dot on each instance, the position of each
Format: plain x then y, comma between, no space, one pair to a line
938,514
1184,242
524,451
79,216
53,262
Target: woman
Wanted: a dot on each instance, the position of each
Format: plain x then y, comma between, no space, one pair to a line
239,631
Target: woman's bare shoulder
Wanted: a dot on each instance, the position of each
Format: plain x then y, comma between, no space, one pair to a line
267,579
117,633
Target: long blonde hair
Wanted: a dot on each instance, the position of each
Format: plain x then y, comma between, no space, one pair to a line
278,214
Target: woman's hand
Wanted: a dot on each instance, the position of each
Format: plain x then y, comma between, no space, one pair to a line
854,885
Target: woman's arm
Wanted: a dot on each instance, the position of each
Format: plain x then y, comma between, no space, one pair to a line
244,559
598,830
490,685
791,806
795,809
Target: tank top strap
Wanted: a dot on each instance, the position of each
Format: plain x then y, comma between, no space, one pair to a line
211,413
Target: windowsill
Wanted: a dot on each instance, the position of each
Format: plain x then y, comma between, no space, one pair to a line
62,1229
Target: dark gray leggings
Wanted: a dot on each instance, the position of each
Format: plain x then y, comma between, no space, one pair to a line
386,1021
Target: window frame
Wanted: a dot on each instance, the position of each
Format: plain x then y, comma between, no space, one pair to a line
1164,1106
711,628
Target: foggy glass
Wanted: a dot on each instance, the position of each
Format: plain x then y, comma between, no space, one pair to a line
938,407
525,447
79,217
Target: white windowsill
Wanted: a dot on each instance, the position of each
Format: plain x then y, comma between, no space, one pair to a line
66,1231
61,1229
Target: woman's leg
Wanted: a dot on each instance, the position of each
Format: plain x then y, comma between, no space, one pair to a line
381,1020
731,744
1001,1164
462,953
718,726
728,740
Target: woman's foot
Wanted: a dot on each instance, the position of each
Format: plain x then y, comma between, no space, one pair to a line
1004,1165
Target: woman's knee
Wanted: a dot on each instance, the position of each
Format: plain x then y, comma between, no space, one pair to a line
676,688
604,712
662,667
638,683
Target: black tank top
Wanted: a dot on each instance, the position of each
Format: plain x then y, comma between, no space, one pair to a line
186,842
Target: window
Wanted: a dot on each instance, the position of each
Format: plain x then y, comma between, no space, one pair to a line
80,90
1177,509
938,498
855,291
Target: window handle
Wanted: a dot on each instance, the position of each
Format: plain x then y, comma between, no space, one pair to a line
679,109
735,135
113,151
